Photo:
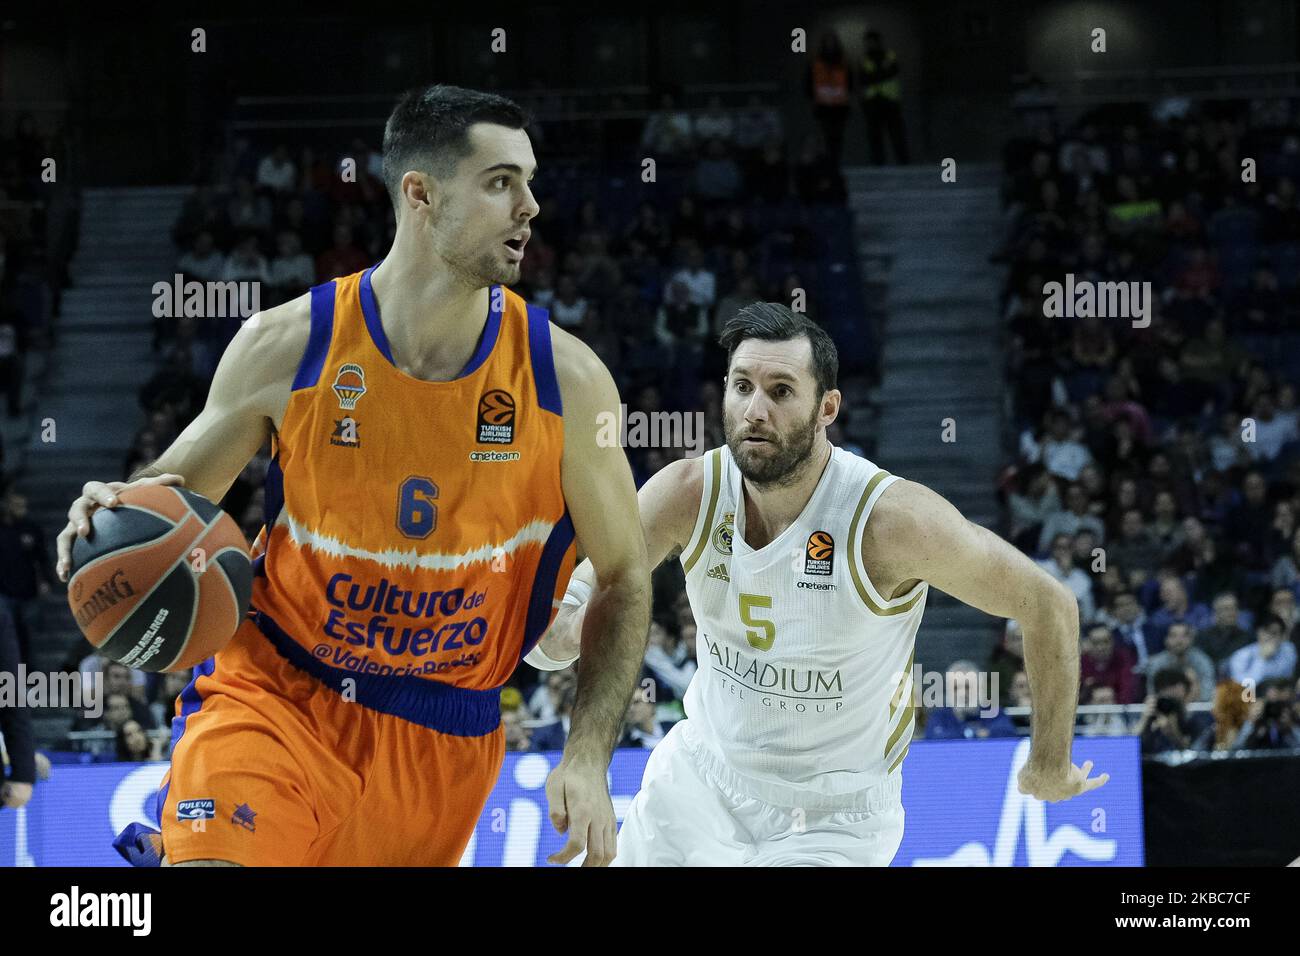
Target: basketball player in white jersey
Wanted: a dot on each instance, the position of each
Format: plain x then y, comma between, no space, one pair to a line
807,570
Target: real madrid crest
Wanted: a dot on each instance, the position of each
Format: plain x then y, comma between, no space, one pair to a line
723,532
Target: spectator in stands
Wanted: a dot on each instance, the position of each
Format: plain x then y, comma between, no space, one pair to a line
341,259
1126,619
133,744
1061,565
544,704
1286,570
717,176
640,726
1272,431
1225,636
246,264
1166,725
25,574
175,386
1104,662
965,717
1272,724
1282,603
1271,655
668,662
1060,452
292,271
1134,549
668,131
1107,724
1020,696
276,172
16,727
1175,606
1249,522
1031,502
203,262
1229,711
1074,518
568,308
518,734
882,99
552,735
700,281
248,211
829,86
745,293
163,708
1008,659
1180,653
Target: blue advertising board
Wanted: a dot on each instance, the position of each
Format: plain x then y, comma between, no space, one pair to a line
963,809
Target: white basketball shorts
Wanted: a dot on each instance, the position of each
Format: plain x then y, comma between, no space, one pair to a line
693,811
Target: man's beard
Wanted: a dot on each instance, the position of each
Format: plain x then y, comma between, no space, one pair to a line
772,469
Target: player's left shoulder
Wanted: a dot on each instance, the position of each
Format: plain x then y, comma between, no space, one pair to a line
900,517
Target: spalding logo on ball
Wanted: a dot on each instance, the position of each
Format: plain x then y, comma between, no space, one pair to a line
163,580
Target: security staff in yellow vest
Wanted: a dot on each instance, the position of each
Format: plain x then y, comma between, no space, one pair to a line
882,96
830,85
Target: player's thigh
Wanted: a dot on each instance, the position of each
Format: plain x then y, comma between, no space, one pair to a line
238,790
679,817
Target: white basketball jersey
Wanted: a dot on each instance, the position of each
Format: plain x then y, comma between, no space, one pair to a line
804,669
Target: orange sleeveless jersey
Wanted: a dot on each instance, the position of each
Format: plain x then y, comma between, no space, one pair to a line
416,539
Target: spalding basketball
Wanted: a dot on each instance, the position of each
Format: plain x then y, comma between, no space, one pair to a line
163,580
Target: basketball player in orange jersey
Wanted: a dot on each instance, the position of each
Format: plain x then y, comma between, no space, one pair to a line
435,457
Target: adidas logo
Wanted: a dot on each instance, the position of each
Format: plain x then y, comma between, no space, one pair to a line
719,572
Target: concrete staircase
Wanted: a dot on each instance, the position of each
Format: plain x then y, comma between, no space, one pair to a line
88,395
925,246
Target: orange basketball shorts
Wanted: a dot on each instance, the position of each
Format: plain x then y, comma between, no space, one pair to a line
272,766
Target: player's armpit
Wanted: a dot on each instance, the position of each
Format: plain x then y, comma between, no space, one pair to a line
248,394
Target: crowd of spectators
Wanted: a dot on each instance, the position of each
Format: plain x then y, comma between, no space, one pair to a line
1157,467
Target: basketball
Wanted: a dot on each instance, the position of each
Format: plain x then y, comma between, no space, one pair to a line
163,580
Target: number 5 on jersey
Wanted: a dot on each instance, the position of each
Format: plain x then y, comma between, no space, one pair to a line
762,638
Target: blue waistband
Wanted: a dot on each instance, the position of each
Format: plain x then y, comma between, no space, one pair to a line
459,711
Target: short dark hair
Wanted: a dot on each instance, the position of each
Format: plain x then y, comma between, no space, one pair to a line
1168,677
429,129
1270,621
774,322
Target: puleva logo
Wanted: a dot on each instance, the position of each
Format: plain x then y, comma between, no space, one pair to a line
196,809
349,385
496,417
819,556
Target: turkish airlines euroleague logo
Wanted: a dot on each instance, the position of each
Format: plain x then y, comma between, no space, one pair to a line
496,417
819,556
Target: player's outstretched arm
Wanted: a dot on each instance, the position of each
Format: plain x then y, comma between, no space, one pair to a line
601,497
915,533
668,503
251,386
